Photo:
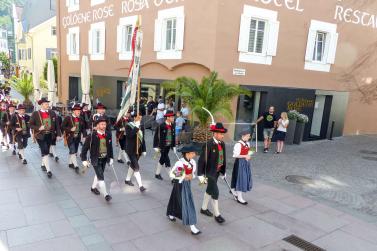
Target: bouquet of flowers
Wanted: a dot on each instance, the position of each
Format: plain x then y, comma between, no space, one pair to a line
179,172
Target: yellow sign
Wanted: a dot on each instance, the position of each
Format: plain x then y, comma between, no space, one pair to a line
299,104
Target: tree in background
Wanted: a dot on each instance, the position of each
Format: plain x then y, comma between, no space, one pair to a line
6,10
5,61
212,93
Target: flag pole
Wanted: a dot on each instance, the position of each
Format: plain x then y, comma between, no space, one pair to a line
138,94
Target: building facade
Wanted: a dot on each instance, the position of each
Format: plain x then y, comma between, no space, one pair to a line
293,54
36,38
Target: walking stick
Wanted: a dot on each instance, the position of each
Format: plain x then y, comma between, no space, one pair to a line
115,173
230,189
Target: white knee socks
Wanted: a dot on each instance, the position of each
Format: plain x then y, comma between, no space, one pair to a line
52,150
125,156
206,199
239,196
95,182
194,229
73,159
158,169
46,163
215,205
129,174
120,154
102,187
138,178
21,152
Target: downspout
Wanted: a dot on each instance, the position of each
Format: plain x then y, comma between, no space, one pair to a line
59,50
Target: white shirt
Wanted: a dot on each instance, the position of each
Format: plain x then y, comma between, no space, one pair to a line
180,163
237,148
283,123
160,111
185,112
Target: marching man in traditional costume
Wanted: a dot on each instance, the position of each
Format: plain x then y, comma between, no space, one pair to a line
45,126
164,140
120,127
6,120
181,203
241,176
54,136
99,146
135,147
211,166
101,113
73,127
3,111
86,116
20,126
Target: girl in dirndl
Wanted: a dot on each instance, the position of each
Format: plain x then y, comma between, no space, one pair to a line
181,202
241,175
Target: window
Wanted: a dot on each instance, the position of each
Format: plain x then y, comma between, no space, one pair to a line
73,43
321,46
53,30
258,38
29,53
73,5
19,54
97,41
51,53
125,32
169,33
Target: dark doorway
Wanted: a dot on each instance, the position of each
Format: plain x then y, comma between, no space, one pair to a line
74,89
321,117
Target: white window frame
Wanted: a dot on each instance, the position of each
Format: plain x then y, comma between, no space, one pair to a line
330,46
160,33
96,2
124,22
270,39
72,7
71,31
100,26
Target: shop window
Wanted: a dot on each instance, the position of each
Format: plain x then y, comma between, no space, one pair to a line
95,2
97,40
125,32
73,43
258,38
72,5
169,33
321,46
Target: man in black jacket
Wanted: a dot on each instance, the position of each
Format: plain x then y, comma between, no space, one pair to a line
135,147
54,136
211,165
100,148
6,120
164,140
19,123
73,127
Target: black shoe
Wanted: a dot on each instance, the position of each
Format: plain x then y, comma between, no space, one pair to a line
197,233
43,168
49,175
24,162
128,163
120,161
142,189
219,219
7,147
19,156
95,191
128,182
14,152
2,143
56,159
206,212
158,176
71,166
77,169
242,203
51,155
108,198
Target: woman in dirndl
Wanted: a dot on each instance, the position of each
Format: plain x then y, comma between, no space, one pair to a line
241,175
181,203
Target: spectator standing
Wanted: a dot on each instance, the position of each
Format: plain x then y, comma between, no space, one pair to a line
179,123
151,105
269,124
281,132
160,112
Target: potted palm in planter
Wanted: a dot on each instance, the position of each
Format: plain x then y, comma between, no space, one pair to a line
212,93
302,120
292,116
24,86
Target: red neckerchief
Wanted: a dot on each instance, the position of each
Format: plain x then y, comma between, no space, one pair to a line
101,136
76,119
45,115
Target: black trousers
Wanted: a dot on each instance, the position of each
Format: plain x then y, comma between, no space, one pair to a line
21,141
164,158
99,169
45,143
73,144
134,159
122,143
10,135
212,188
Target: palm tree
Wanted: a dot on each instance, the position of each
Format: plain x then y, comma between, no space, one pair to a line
24,86
212,93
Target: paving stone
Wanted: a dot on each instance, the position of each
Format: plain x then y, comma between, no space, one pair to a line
43,213
71,243
30,234
65,204
79,221
74,211
86,230
9,197
12,216
101,246
92,239
151,222
61,228
124,246
221,243
121,232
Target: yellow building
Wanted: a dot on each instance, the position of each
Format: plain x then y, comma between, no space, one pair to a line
36,39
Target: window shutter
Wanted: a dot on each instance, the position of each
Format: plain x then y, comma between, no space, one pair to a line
90,42
332,45
102,45
243,42
119,38
273,36
68,43
157,34
180,33
310,45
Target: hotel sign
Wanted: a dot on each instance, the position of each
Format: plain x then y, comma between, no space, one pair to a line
90,16
129,6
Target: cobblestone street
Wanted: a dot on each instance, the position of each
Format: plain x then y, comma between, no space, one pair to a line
37,213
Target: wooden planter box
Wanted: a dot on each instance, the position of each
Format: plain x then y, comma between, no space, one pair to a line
290,132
